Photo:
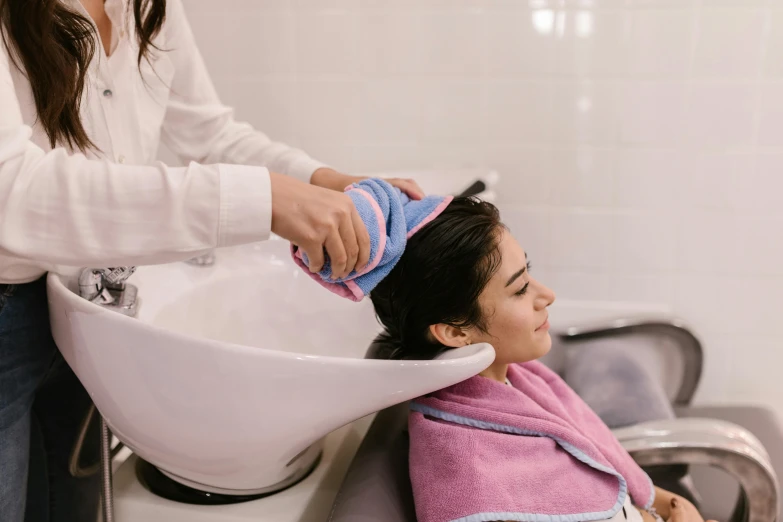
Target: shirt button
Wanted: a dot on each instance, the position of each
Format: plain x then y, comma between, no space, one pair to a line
107,93
121,158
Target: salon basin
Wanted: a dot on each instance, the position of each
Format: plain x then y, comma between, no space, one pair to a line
230,375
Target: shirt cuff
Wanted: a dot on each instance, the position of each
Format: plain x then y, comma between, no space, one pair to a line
245,205
302,169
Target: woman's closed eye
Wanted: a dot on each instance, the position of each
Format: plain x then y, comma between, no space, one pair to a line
522,290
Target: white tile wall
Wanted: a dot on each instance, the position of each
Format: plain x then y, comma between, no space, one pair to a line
773,61
585,111
527,171
520,42
770,131
276,113
708,243
644,244
714,182
758,187
641,288
661,3
640,141
581,239
592,41
652,112
587,177
648,179
327,42
729,41
533,228
714,121
660,42
519,112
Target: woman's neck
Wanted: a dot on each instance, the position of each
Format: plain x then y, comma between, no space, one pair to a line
97,12
496,372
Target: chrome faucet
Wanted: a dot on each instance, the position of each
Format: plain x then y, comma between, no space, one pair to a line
107,287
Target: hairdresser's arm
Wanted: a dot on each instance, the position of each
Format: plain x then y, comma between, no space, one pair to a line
61,208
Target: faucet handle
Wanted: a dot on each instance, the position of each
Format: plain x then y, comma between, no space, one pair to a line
115,277
106,287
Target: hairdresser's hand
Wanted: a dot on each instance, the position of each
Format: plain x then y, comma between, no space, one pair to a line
683,511
331,179
315,219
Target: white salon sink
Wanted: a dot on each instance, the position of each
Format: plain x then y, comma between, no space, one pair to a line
230,375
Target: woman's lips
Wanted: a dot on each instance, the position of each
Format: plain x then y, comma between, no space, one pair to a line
544,326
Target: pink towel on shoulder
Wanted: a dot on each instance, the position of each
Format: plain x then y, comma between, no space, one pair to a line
483,451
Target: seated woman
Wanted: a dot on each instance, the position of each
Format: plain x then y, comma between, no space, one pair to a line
515,442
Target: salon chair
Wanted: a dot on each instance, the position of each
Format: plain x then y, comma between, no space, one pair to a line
725,458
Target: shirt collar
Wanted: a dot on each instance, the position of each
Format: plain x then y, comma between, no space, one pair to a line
116,10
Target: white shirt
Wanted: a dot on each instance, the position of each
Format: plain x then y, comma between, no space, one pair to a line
117,206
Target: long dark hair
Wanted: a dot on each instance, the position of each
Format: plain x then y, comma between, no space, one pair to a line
445,267
53,46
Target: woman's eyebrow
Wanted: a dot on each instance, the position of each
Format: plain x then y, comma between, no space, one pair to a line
515,276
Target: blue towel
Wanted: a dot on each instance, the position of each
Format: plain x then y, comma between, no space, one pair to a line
391,217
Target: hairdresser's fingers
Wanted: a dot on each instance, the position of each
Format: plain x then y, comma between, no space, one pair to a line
362,241
315,256
350,244
336,250
408,186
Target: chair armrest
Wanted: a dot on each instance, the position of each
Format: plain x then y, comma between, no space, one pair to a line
714,443
673,328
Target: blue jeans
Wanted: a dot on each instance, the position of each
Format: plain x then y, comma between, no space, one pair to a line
42,405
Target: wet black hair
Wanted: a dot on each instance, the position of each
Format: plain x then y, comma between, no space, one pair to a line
439,278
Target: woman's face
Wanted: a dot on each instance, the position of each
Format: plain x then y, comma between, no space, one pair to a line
514,305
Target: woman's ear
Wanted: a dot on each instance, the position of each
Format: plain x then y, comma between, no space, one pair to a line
448,335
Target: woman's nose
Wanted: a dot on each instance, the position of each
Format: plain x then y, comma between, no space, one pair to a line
545,297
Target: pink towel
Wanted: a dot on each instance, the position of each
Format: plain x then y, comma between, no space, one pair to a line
485,451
